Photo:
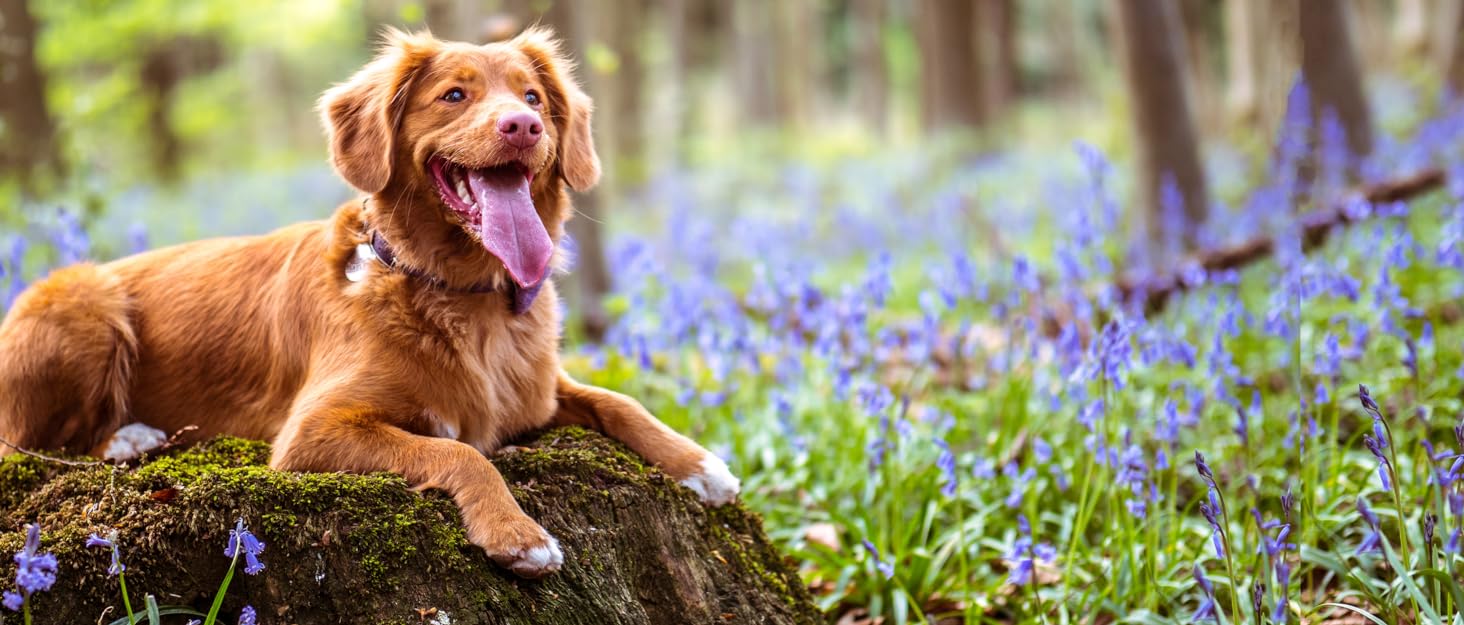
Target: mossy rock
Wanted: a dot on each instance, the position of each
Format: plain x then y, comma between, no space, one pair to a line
346,548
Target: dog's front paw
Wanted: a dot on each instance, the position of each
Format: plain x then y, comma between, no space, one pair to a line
523,547
131,441
713,482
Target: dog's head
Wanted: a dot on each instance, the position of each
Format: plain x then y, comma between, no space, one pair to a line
484,135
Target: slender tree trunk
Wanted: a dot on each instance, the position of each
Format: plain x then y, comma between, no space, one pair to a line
1451,48
1203,84
1263,58
1154,64
589,283
1330,68
28,144
870,76
1411,27
697,36
951,93
754,68
1242,97
1371,26
997,23
159,78
799,71
1067,30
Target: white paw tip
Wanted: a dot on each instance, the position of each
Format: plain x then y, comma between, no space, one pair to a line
537,561
715,484
131,441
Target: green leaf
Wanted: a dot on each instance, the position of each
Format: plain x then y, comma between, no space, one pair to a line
175,610
213,611
1451,584
1406,576
152,610
1367,615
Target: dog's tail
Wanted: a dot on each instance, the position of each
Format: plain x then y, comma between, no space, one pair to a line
67,348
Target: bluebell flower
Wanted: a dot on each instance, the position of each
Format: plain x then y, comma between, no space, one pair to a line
947,464
12,601
247,616
1025,553
1041,450
137,237
108,543
885,568
241,540
1207,603
35,571
1019,484
1373,540
1375,446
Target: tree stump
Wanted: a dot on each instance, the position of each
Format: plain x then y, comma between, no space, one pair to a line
341,548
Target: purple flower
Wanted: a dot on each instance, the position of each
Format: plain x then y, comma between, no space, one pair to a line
1207,604
1376,447
1373,540
1204,469
1020,480
247,616
947,464
137,237
12,601
108,543
885,568
35,572
240,539
1367,402
1025,553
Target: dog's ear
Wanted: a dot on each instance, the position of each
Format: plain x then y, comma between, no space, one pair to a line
362,115
569,108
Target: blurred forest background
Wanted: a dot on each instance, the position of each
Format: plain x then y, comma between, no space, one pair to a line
165,120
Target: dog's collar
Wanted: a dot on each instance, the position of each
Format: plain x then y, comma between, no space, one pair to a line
519,299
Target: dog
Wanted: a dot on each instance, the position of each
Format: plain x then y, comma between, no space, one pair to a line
415,331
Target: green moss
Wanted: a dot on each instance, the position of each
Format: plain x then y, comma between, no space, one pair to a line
367,545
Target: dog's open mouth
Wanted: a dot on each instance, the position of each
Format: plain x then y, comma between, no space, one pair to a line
495,204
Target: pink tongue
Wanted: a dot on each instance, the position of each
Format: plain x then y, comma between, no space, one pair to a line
511,227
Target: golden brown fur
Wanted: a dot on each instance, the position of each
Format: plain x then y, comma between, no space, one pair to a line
265,337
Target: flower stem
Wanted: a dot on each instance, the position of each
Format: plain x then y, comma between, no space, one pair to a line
126,603
213,611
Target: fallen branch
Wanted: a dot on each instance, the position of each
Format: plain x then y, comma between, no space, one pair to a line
1315,228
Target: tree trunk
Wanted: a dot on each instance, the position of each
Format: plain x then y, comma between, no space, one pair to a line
1330,69
799,71
342,548
1154,64
621,102
28,145
870,76
1204,85
1411,27
951,90
589,283
1263,55
697,32
1451,48
996,20
755,72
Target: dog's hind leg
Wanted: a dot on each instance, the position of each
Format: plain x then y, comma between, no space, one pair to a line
67,348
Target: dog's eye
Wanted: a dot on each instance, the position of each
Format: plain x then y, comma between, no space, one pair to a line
532,98
454,94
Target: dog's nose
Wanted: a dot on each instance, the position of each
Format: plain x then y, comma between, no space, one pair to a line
521,130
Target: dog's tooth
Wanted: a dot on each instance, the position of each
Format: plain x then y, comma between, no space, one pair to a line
462,191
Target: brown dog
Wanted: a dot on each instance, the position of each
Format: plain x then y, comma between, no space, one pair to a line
413,332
